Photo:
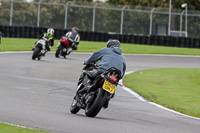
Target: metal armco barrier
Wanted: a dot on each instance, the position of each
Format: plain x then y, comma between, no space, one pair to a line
34,32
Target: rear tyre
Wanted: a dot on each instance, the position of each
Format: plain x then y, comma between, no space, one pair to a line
93,108
36,53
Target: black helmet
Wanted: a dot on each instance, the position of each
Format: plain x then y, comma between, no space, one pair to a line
75,29
112,42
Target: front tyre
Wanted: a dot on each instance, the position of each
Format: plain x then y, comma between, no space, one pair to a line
36,53
93,108
58,51
74,108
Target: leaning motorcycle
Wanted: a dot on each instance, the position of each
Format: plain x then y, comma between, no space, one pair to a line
63,47
101,91
39,49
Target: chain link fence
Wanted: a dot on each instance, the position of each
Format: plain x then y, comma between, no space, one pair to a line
100,17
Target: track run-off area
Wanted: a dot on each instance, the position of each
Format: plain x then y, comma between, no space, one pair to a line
38,94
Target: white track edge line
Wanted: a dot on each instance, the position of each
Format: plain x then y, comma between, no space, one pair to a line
18,125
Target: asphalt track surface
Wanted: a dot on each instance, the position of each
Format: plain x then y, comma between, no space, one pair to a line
38,95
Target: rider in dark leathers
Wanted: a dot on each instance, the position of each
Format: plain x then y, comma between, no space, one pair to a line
107,57
74,39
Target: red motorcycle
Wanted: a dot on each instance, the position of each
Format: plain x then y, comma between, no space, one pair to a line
63,47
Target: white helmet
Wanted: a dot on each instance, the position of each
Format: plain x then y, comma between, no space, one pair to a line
50,30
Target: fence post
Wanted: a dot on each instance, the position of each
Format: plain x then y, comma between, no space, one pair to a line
11,12
151,18
181,21
170,12
122,19
38,19
186,20
66,8
94,13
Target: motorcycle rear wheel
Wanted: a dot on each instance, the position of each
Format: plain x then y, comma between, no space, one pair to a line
36,53
93,108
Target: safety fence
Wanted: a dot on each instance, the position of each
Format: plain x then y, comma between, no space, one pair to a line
34,32
99,17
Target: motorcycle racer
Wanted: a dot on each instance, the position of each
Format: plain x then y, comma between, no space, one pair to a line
107,57
74,39
49,35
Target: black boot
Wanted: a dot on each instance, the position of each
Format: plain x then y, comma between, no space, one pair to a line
112,95
69,50
44,53
106,104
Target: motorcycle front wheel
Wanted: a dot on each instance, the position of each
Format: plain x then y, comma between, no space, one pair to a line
74,108
93,108
58,51
36,53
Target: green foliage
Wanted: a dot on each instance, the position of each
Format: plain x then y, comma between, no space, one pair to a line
192,4
178,88
4,10
79,17
23,14
52,16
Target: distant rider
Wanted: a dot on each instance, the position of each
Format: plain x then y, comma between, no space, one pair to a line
50,39
73,38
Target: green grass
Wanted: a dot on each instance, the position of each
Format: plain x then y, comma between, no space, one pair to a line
174,88
5,128
21,44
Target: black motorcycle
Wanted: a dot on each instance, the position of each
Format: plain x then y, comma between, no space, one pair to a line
101,90
39,49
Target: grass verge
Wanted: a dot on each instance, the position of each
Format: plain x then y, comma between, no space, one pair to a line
174,88
21,44
5,128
